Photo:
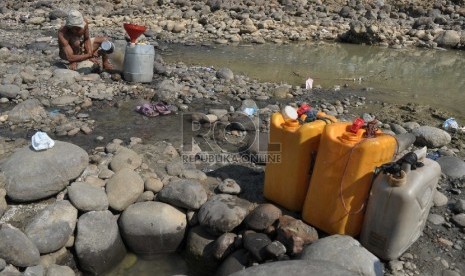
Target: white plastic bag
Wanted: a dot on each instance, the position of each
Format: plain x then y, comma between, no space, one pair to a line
41,141
450,123
309,83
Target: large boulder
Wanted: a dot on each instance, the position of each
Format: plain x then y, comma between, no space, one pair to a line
185,193
345,251
296,268
31,175
52,227
98,245
123,189
29,110
432,137
16,248
151,228
222,213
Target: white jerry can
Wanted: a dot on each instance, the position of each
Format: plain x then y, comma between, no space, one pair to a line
398,208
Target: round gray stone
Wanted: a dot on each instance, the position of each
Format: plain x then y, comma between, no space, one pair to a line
222,213
439,199
9,91
124,188
297,268
237,261
459,219
125,158
60,270
65,75
32,175
432,137
29,110
459,206
37,270
98,244
436,219
200,251
16,248
409,126
51,228
225,73
263,217
185,193
452,166
151,228
224,245
87,197
397,129
345,251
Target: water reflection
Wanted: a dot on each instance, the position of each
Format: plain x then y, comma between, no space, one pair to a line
167,264
424,76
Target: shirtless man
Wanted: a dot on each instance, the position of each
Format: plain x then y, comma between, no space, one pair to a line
76,45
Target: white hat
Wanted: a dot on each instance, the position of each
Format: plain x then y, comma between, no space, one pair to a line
75,19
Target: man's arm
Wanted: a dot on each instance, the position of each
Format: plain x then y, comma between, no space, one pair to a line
68,51
87,42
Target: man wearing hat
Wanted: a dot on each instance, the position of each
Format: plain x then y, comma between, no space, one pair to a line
76,45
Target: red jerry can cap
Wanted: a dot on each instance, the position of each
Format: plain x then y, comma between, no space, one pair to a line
356,125
304,108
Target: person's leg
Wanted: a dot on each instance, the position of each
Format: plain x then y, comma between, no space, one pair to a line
97,41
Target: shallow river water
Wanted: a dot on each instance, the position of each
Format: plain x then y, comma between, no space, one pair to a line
431,77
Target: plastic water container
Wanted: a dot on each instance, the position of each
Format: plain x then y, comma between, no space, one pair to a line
138,63
397,210
286,180
342,177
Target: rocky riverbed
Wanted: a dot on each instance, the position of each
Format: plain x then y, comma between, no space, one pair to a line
76,209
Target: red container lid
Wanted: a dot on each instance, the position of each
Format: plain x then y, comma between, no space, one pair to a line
356,125
303,109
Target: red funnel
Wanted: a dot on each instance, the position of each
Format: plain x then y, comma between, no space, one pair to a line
134,31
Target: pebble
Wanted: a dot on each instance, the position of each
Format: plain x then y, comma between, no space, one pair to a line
436,219
445,242
439,199
229,186
459,219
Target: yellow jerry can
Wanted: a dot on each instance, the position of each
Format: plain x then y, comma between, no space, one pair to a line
342,177
287,178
